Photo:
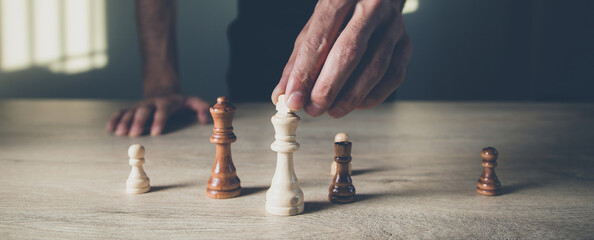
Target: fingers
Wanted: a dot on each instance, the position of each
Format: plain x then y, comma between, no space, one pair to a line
343,58
123,125
133,121
141,116
394,76
164,108
313,50
370,71
201,107
159,121
113,121
282,83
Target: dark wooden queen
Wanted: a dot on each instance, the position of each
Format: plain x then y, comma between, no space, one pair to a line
223,182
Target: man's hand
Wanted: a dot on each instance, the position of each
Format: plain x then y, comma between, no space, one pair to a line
351,54
156,32
133,120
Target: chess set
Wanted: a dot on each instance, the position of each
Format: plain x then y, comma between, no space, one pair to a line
284,197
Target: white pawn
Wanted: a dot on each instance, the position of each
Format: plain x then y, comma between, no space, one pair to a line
284,196
340,137
137,182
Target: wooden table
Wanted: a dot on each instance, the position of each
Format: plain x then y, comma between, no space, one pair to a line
415,165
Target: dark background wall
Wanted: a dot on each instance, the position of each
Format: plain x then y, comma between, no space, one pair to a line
463,50
509,50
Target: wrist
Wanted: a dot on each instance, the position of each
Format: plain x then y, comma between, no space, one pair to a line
162,88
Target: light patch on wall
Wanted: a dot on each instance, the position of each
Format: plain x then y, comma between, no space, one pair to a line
410,6
65,36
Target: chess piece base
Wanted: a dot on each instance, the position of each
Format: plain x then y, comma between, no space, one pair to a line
138,190
222,194
489,192
341,199
285,211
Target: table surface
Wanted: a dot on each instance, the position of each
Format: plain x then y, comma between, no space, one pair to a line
415,166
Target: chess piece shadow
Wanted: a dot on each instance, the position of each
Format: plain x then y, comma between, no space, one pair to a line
367,196
316,206
165,187
511,188
252,190
364,171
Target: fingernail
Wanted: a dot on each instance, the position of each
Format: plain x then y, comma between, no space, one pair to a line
274,95
314,109
295,101
336,112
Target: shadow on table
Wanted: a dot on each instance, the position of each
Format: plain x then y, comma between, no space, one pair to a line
365,197
179,121
165,187
252,190
364,171
176,122
316,206
507,189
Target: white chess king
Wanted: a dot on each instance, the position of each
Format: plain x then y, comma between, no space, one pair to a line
284,196
137,181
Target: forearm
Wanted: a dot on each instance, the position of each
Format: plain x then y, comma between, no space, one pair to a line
156,33
402,2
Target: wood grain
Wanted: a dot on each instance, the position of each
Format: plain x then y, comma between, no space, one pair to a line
416,168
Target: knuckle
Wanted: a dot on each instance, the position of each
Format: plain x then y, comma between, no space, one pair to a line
315,44
323,94
326,14
350,51
372,101
338,5
351,101
376,4
380,9
302,77
129,113
357,26
381,62
334,3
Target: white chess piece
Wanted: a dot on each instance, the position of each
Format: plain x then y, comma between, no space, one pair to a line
284,196
340,137
137,181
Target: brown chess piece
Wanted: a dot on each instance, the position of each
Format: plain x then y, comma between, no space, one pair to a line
488,184
342,190
223,182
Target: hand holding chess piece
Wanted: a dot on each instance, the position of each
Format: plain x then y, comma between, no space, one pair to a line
284,196
137,181
488,184
342,190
